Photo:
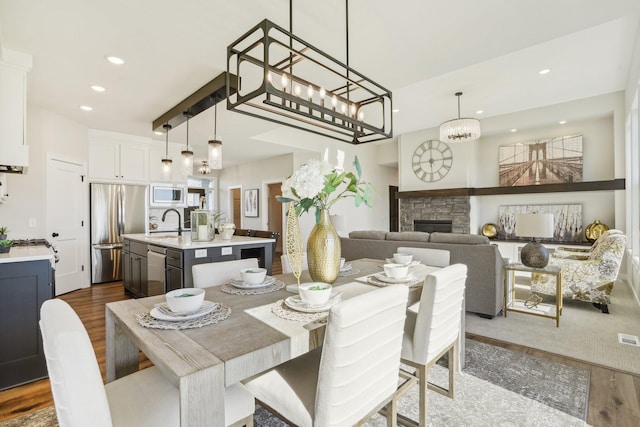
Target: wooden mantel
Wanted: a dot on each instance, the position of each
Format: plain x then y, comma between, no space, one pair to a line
614,184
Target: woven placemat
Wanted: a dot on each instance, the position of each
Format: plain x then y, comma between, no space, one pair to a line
230,289
350,272
217,315
280,309
373,281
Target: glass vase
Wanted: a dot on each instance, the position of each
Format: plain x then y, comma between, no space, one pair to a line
323,250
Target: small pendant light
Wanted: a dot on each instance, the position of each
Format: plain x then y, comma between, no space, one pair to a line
215,145
166,162
187,155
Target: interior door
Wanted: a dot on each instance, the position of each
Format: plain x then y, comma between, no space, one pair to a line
66,222
274,212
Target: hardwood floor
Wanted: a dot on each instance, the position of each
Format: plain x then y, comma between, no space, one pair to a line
614,397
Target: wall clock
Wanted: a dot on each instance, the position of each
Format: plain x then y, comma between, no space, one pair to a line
432,160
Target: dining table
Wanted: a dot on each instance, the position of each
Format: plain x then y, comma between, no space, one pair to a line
202,361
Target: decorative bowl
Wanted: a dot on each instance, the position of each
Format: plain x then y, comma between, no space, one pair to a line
226,230
253,276
315,293
186,300
401,258
396,271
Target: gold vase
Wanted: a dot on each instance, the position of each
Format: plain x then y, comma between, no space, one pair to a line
323,250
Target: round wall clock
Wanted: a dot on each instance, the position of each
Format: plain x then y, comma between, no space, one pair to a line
432,161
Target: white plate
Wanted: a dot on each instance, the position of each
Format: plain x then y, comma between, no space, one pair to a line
294,302
410,264
206,308
238,283
384,278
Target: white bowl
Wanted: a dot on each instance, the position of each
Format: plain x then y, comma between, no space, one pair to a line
401,258
186,300
315,293
396,271
253,276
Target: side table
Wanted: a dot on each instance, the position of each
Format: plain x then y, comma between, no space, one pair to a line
535,308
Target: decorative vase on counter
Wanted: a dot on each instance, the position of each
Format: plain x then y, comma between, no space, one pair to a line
226,230
323,250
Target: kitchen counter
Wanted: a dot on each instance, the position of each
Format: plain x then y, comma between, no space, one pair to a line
27,253
184,241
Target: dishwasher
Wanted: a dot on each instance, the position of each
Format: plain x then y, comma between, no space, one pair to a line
156,259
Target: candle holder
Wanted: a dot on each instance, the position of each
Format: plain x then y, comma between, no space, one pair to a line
201,225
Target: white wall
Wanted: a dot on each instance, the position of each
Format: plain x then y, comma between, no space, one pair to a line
47,132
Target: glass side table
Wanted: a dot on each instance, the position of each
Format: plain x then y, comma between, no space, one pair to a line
531,305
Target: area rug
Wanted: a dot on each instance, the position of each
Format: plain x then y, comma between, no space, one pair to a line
584,334
491,391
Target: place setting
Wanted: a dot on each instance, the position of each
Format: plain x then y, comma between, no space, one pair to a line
347,269
252,281
313,301
395,273
183,309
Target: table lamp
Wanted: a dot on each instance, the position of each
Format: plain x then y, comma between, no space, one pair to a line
534,225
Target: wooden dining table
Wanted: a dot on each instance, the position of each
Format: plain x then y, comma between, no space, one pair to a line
202,361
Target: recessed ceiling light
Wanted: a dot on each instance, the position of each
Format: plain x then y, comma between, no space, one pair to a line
562,122
98,88
86,108
479,111
544,71
115,60
395,110
514,130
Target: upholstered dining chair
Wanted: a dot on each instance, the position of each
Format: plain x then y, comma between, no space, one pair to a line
354,373
286,265
144,398
218,273
432,329
428,256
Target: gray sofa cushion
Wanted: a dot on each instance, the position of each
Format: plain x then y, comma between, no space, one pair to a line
409,236
465,239
368,234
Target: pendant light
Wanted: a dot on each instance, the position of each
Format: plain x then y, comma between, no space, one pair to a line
215,145
187,155
166,162
460,129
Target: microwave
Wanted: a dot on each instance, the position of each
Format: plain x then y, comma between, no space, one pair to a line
168,195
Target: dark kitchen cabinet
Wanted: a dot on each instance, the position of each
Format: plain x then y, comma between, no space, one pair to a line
174,272
24,287
134,268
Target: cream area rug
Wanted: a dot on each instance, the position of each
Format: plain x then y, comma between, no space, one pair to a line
584,334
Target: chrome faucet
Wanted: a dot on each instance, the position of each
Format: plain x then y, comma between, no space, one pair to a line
179,219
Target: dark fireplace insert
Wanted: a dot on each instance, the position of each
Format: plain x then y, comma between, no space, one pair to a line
430,226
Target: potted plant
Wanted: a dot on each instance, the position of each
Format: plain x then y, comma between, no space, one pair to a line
3,233
5,246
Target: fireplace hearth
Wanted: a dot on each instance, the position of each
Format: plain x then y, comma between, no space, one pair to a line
431,226
454,210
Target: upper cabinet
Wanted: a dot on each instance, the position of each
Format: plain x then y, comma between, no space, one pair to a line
114,160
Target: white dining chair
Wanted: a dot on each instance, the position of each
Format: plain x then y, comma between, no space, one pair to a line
352,376
144,398
286,265
433,329
428,256
219,273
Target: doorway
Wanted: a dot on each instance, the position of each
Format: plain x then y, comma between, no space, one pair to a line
274,212
67,209
236,206
394,208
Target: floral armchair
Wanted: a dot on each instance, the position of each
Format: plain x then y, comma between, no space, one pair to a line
587,274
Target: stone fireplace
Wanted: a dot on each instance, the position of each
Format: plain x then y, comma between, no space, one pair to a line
455,209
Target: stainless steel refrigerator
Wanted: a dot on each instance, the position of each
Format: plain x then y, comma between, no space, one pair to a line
116,209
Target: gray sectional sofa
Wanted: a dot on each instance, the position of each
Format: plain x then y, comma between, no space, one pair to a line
485,274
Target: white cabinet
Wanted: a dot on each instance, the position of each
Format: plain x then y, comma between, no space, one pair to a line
156,154
4,191
119,161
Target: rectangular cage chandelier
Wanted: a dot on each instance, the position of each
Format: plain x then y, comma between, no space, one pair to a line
284,79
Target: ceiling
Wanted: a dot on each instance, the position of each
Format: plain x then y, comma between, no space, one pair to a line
422,50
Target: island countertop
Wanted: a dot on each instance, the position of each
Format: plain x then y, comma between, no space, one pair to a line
184,242
27,253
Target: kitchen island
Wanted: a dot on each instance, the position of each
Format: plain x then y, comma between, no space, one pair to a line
154,264
27,279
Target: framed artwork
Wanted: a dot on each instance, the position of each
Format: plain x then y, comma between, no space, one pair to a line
543,161
251,203
567,221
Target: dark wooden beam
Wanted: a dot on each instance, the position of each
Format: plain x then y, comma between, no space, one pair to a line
200,100
614,184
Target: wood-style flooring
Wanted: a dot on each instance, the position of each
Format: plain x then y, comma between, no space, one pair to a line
614,397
